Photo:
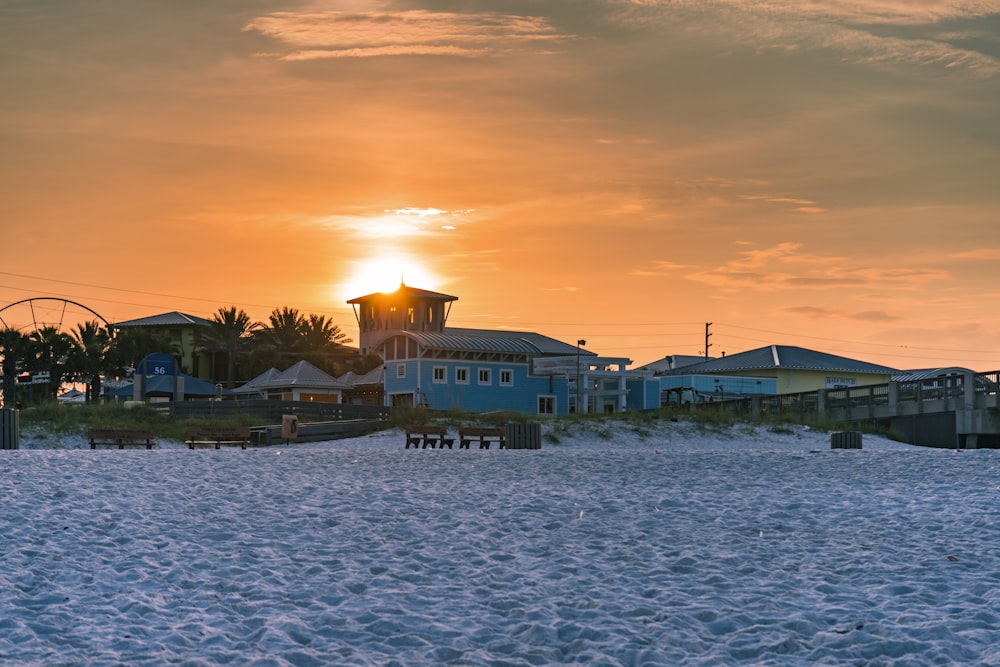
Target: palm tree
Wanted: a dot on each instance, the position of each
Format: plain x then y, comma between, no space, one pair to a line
92,358
131,345
324,342
285,334
229,332
52,350
14,345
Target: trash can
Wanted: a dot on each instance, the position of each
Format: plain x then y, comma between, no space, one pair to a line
289,428
845,440
524,436
10,432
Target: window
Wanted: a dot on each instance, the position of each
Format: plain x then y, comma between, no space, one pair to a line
461,376
546,405
440,374
401,370
485,376
506,377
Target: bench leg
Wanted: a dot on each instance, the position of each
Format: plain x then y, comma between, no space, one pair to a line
484,444
430,442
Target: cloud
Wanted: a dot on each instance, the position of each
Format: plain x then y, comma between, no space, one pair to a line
833,313
785,267
979,254
394,223
873,32
333,34
661,268
798,205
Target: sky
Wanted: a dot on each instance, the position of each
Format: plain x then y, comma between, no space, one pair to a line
821,174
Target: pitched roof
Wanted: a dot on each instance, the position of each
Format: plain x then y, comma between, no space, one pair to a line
301,375
171,319
255,384
405,291
375,376
775,357
490,340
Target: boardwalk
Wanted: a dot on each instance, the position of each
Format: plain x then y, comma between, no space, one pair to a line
958,410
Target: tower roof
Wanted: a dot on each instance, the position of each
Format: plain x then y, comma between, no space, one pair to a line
404,291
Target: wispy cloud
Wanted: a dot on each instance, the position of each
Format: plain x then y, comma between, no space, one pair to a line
817,312
395,223
331,34
979,254
862,31
798,205
785,267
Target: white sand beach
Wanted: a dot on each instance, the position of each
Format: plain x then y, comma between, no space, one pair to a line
618,545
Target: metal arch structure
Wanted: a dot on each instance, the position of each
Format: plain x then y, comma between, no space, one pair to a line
62,313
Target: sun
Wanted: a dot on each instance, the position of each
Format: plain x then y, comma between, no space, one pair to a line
384,273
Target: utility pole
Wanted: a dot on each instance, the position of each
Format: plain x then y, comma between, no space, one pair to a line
707,334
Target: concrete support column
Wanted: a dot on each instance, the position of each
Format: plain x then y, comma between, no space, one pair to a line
893,399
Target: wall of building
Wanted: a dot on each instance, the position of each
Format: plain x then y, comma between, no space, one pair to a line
440,385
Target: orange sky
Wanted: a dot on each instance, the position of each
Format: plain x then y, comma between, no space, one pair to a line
799,173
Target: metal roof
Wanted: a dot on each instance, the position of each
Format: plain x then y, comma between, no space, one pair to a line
172,319
302,375
775,357
919,374
490,340
405,291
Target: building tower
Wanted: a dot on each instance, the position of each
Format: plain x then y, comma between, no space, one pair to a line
383,314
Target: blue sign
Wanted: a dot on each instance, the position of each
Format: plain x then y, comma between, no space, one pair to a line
157,365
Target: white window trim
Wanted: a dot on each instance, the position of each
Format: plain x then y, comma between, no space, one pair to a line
460,381
555,409
488,382
400,371
444,375
509,383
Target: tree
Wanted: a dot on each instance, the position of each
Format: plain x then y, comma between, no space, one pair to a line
285,335
324,342
131,345
229,332
14,346
92,357
51,350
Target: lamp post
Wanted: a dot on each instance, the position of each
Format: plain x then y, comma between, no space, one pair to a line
578,344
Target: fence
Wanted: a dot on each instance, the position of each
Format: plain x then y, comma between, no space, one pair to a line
272,411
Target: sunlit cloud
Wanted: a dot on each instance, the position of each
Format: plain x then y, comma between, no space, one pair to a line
785,267
798,205
818,312
979,254
333,34
395,223
661,268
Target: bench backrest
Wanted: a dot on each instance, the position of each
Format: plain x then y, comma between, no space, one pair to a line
496,432
118,433
431,430
219,431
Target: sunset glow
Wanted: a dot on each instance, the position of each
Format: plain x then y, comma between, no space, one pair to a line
385,274
800,173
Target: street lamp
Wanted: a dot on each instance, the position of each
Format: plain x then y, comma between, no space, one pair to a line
578,344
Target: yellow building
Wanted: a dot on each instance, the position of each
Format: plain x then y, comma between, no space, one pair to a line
795,369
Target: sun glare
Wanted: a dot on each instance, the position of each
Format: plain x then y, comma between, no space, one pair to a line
384,274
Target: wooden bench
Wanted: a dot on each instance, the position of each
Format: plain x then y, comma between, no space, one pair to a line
216,436
484,436
428,436
119,437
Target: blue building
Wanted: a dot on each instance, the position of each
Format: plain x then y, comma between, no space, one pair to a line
428,364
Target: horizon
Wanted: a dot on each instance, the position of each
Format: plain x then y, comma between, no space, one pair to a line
618,171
